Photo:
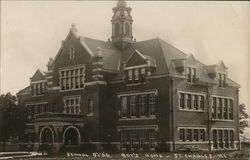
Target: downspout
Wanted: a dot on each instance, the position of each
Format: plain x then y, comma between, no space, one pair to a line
172,111
209,117
238,129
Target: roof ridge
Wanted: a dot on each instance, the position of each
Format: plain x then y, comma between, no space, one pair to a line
172,46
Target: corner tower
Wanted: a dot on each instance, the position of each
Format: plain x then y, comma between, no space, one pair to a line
122,25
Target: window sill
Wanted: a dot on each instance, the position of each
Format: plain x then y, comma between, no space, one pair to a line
192,110
223,120
137,118
38,95
134,84
71,89
90,115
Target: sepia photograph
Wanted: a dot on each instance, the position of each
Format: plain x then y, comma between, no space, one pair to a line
125,79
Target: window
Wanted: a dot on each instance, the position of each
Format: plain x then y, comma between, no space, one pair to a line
215,139
37,108
130,75
189,134
71,79
221,80
136,74
220,137
126,29
230,109
71,53
195,98
123,138
132,139
124,106
191,74
220,109
38,88
142,138
189,100
195,135
202,102
90,107
151,104
202,135
72,105
117,29
132,106
182,102
214,108
225,108
152,138
142,105
226,139
231,138
182,135
193,102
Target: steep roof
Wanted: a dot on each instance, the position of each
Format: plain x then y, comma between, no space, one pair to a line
39,75
112,56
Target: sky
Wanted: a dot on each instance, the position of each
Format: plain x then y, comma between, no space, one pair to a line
32,31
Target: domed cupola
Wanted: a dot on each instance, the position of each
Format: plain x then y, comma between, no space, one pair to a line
122,25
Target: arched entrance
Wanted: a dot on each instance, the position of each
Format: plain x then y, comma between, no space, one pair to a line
46,136
71,136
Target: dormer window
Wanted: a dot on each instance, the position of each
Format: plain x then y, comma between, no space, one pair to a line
221,80
72,53
38,88
191,74
135,75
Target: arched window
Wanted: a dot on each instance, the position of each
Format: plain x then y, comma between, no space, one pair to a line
117,29
126,29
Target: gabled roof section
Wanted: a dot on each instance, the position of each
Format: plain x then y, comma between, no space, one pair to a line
39,75
25,90
221,66
191,60
111,55
137,58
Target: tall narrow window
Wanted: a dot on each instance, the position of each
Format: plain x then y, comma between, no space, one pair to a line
189,100
223,80
214,112
195,134
126,29
90,107
151,98
202,134
230,109
130,75
193,74
202,102
231,138
195,99
220,109
132,106
142,138
225,108
136,74
132,139
117,29
72,53
124,107
189,74
189,135
152,137
181,102
221,138
142,105
182,135
215,145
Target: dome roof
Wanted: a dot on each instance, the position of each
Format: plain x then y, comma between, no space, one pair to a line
121,3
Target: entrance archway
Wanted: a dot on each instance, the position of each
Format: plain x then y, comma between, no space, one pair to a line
46,136
71,136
